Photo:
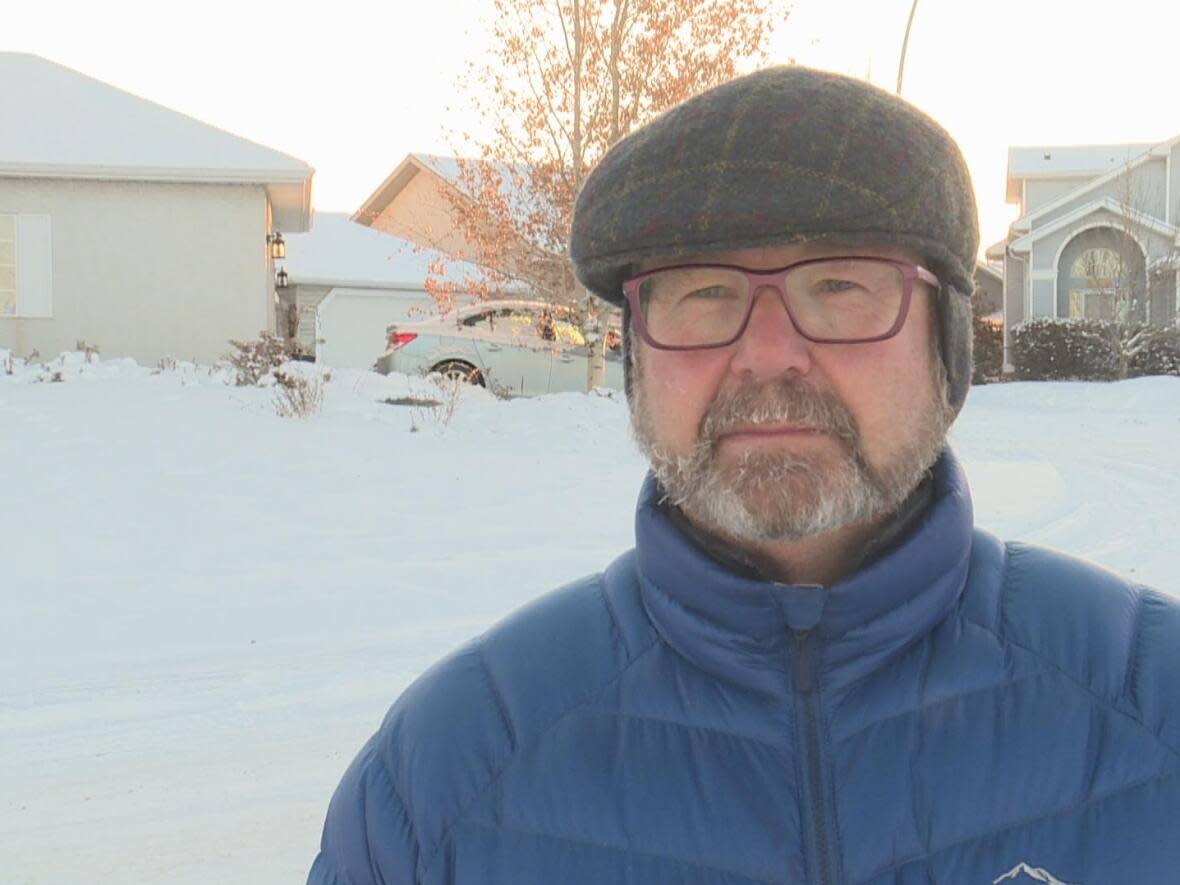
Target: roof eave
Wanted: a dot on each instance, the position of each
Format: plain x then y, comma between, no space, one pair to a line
1024,242
385,193
291,206
156,173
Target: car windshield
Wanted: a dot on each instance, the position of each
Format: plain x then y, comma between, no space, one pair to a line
542,322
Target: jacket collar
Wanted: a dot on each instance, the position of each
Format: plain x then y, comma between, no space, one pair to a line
739,626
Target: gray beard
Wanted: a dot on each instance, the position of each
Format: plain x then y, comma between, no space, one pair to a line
782,496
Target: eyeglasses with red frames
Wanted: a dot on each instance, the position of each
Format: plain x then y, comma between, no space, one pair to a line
849,299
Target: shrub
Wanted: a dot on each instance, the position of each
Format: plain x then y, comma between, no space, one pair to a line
1088,350
256,359
1160,356
297,396
988,350
1056,350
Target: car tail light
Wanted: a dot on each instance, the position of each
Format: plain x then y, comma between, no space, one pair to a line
400,339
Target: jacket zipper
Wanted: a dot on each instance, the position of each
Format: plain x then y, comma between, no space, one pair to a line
804,672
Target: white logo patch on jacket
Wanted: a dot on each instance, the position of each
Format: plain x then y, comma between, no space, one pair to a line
1022,872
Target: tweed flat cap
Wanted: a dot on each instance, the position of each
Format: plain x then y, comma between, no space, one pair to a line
787,154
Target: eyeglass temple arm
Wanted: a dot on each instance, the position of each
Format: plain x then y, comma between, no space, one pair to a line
927,277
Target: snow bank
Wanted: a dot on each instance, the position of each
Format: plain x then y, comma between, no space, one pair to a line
208,608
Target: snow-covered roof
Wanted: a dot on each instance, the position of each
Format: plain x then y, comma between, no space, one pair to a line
1067,161
445,168
58,123
1070,160
997,250
340,252
994,272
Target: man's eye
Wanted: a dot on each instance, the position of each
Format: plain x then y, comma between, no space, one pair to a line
710,293
832,285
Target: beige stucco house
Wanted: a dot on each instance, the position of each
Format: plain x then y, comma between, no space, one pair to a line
132,227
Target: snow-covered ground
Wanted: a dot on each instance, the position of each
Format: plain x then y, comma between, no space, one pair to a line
207,608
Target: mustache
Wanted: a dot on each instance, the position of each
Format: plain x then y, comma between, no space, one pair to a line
781,400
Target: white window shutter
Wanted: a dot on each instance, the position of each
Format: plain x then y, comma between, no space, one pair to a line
34,266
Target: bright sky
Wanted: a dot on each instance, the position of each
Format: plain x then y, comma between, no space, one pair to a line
351,87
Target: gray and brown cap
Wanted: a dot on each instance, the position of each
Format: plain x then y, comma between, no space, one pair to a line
785,155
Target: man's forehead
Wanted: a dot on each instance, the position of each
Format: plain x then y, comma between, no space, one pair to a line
783,254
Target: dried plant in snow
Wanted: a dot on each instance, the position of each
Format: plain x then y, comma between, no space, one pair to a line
298,396
256,359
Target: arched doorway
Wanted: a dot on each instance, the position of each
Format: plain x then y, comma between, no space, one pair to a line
1102,275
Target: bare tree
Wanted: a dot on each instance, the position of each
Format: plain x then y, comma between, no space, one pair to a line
564,80
1124,270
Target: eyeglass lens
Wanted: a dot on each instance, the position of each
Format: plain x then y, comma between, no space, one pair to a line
840,300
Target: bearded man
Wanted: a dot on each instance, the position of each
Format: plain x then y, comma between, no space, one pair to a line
812,668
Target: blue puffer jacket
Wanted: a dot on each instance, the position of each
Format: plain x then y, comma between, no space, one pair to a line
959,712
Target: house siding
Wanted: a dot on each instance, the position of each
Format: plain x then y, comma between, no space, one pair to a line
1163,298
1145,193
989,293
1038,192
147,270
1044,302
1044,250
422,214
304,299
1014,289
1175,185
353,324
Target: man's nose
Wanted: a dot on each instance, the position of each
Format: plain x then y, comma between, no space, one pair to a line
771,345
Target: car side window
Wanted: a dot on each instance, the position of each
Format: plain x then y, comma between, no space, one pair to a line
483,321
520,325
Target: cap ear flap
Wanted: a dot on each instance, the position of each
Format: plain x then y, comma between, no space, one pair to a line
627,344
955,340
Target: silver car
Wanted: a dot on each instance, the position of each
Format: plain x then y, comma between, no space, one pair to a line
521,348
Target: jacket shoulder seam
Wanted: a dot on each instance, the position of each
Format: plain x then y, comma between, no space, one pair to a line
1047,661
1133,648
383,767
497,696
620,637
920,709
583,701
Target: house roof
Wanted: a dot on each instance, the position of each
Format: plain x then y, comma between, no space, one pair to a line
44,106
1105,204
1066,161
997,250
339,252
403,173
446,169
994,272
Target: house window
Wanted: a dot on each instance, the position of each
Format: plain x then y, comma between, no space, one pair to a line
1092,304
26,266
7,265
1101,278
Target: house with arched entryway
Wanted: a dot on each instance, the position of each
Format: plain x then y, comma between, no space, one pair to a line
1097,235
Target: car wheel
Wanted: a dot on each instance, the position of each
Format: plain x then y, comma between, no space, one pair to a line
460,371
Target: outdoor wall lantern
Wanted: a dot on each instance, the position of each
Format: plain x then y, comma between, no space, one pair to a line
281,279
278,246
